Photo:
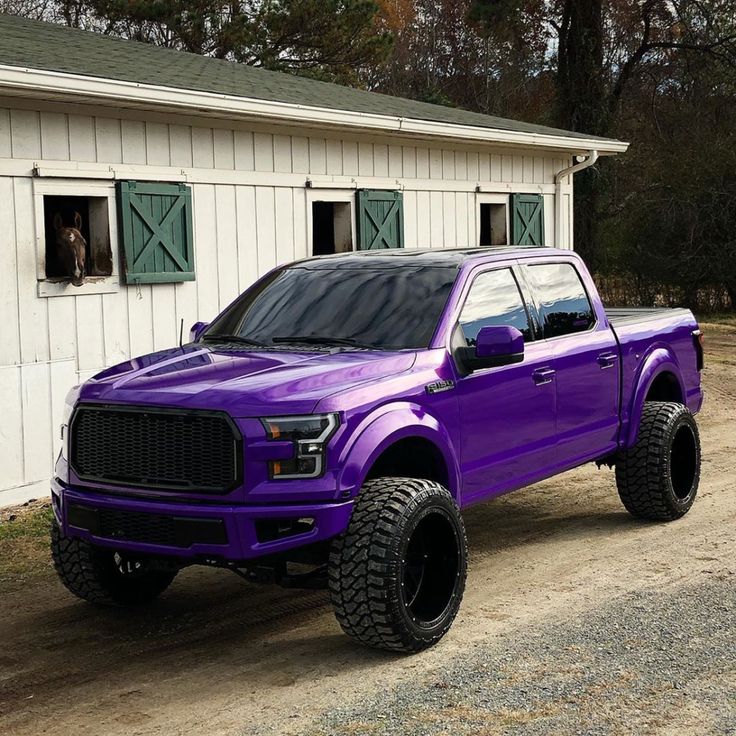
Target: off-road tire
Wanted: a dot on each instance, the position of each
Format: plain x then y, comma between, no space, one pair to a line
376,561
93,573
658,478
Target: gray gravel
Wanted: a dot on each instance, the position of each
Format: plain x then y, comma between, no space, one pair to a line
650,662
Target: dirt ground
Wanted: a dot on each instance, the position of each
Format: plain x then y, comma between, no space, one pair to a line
219,656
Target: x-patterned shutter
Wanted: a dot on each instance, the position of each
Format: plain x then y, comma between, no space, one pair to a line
527,219
156,231
380,219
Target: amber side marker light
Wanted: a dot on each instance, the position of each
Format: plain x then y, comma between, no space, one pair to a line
309,435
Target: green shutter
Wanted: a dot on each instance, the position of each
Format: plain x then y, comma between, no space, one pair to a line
380,219
527,219
155,222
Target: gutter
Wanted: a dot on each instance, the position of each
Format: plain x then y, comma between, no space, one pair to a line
62,86
592,157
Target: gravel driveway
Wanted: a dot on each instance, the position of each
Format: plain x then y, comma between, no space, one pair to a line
652,661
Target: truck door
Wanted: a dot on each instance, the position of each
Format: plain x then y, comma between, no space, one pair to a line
507,413
585,362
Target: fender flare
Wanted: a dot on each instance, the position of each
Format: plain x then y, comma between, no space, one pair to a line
660,360
386,426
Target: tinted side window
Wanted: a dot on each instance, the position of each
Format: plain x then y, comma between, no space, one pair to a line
493,299
563,303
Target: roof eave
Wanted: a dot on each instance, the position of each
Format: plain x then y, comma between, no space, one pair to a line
79,88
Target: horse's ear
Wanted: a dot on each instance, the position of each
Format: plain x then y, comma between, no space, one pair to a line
58,222
77,221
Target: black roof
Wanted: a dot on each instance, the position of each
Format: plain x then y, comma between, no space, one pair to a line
452,257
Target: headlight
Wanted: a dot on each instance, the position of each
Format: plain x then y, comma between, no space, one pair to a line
310,435
69,403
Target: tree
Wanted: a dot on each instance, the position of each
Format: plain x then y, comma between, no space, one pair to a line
597,50
441,54
330,39
672,210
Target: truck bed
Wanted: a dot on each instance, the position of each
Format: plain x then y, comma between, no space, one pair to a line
619,316
639,331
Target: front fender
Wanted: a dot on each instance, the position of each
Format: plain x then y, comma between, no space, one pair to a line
661,360
381,429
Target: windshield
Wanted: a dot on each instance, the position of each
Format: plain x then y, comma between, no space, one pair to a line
386,308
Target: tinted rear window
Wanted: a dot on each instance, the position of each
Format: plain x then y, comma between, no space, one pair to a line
564,305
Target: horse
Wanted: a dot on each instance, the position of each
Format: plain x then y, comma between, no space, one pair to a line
71,249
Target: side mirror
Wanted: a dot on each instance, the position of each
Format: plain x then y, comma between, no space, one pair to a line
495,345
197,329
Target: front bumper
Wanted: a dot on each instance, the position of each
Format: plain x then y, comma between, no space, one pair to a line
232,533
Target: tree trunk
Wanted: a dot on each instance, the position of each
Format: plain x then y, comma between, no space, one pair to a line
582,106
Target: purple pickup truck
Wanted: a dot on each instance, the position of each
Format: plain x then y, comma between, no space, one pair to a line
326,429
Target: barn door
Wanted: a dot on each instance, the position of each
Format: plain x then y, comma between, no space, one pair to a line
527,219
380,219
156,231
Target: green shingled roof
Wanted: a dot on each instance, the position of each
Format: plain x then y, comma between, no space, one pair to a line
50,47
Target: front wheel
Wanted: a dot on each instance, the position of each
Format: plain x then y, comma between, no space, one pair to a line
104,576
397,574
658,477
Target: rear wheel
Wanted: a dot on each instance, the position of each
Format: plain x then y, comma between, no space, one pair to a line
104,576
397,574
658,477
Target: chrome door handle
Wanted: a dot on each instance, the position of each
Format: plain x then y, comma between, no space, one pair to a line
607,360
541,376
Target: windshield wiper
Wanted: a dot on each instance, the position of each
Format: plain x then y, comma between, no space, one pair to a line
323,340
234,338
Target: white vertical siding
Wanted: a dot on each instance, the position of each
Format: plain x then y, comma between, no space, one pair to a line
241,230
350,165
54,136
157,144
9,307
82,143
224,153
108,140
35,390
248,265
32,311
25,131
5,138
133,141
264,153
300,155
11,429
227,243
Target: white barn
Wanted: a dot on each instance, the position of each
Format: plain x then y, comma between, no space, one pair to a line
193,176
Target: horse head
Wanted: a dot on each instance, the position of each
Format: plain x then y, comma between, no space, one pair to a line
71,248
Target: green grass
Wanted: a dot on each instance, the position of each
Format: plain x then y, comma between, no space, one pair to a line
24,544
31,524
718,318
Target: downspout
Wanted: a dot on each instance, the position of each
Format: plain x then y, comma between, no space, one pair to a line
562,174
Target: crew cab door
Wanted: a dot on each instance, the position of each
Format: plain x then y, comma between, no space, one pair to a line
507,413
586,362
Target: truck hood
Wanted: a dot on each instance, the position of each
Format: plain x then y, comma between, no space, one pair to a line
245,384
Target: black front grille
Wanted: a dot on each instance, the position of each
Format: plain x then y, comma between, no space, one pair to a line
132,526
197,452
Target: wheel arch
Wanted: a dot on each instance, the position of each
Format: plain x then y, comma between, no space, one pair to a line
659,379
385,436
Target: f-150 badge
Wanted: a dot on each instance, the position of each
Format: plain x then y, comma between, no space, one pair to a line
439,386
